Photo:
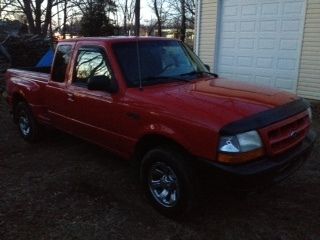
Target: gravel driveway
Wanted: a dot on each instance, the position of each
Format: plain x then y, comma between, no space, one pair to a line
65,188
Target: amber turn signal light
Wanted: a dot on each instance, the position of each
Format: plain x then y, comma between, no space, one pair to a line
236,158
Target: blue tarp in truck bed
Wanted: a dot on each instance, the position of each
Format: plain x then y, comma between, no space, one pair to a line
46,60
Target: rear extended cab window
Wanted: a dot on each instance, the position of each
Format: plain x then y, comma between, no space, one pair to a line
61,62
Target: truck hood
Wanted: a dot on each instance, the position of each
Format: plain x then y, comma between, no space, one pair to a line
215,102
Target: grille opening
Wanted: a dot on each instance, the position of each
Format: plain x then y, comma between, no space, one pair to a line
284,135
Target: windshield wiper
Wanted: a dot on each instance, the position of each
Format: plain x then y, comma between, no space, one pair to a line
199,72
161,79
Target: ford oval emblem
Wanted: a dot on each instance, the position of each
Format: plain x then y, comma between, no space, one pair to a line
293,134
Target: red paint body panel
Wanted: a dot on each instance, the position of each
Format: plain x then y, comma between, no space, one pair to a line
190,114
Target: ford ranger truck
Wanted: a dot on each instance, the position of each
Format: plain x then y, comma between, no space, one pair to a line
153,100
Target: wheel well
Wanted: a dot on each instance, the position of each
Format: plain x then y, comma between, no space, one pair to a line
15,100
149,142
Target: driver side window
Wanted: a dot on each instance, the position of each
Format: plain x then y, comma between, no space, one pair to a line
90,62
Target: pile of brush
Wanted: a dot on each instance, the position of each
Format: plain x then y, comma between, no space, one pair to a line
26,50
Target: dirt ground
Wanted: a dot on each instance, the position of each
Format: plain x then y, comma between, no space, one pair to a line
65,188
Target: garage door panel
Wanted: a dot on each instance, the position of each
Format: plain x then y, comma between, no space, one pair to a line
264,62
227,60
249,10
227,75
285,74
284,83
263,80
265,43
286,63
245,77
260,41
268,26
230,27
245,61
269,9
247,26
293,8
289,44
246,43
231,11
290,25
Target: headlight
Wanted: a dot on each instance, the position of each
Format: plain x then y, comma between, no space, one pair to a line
310,113
243,142
240,148
229,144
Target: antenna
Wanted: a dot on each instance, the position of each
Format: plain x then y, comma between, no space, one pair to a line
139,65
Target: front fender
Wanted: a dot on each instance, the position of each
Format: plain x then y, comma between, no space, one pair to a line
196,140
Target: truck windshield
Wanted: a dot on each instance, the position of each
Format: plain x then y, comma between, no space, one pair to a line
155,62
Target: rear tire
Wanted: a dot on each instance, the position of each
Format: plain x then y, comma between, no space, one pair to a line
28,128
167,181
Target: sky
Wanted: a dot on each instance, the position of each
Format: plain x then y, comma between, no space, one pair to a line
146,13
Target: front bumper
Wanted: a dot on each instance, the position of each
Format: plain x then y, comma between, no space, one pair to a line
259,173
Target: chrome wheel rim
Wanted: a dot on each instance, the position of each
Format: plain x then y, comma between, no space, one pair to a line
163,184
24,123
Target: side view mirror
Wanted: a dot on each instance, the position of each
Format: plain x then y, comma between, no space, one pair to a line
101,83
208,67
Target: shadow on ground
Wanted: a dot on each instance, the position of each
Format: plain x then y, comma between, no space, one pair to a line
65,188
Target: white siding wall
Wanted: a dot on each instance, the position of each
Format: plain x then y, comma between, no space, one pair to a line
309,72
309,77
207,31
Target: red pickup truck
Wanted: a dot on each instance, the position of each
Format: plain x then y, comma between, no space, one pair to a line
152,99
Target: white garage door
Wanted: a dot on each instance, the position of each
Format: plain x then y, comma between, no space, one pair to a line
260,41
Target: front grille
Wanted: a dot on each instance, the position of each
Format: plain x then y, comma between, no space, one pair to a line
284,135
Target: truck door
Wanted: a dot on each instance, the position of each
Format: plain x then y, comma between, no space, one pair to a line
56,92
93,112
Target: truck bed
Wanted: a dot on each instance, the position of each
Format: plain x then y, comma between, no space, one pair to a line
32,86
35,74
35,69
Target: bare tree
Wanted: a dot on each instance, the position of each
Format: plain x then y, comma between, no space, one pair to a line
4,4
38,13
40,16
182,15
190,6
65,17
183,27
157,11
127,11
151,25
160,8
186,6
72,11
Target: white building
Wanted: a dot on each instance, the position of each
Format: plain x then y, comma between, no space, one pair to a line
275,43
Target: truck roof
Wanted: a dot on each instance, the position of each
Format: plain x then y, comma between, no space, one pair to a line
117,39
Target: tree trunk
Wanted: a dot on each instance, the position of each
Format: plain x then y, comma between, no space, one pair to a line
137,18
125,28
64,28
183,21
47,20
159,22
51,35
37,19
28,11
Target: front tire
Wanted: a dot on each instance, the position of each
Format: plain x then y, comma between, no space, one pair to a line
27,125
167,181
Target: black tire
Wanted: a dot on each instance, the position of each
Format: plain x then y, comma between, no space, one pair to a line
28,128
181,189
